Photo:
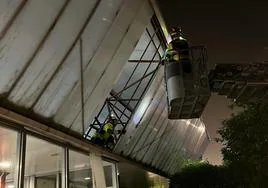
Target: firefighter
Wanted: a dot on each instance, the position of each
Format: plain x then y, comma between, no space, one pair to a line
178,50
104,137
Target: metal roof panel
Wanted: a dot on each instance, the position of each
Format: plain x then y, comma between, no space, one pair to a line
51,56
23,38
69,74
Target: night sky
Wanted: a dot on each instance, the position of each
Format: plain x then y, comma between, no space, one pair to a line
233,32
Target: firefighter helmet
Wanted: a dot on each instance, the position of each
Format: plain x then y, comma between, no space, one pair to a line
112,120
175,33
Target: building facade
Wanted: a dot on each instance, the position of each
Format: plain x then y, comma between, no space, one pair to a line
60,61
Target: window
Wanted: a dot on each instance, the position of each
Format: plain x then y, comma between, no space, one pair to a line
43,164
8,157
80,175
110,174
80,172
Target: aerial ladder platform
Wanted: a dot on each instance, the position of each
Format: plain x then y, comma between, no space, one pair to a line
189,91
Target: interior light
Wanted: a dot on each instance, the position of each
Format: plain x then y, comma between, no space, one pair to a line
10,186
80,166
87,178
54,154
5,164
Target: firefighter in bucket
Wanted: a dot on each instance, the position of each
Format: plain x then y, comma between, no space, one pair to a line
178,50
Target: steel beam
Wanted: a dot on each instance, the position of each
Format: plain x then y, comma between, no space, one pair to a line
118,98
142,61
21,153
65,168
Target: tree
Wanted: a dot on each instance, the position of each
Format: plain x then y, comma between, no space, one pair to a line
245,153
245,145
202,175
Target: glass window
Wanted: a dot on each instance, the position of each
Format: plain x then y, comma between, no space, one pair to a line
110,174
80,172
8,157
43,164
80,175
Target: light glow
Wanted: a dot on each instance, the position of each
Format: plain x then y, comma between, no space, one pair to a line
181,38
201,128
80,166
169,38
5,164
141,110
105,19
87,178
151,175
188,122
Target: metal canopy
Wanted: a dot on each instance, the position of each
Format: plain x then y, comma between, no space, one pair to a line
59,61
245,83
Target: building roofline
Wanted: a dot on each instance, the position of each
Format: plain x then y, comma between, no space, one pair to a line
21,122
160,18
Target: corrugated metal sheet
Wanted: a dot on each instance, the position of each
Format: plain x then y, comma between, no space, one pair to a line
40,53
69,74
7,10
156,141
51,54
23,38
140,53
104,67
133,82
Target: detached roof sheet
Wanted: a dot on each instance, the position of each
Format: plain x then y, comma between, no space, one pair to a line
153,139
43,43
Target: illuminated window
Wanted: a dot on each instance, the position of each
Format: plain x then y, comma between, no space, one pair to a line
43,164
8,157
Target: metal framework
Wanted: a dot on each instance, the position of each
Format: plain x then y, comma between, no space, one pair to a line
124,107
245,83
196,91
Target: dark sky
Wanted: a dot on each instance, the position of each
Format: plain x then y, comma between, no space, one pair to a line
232,31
